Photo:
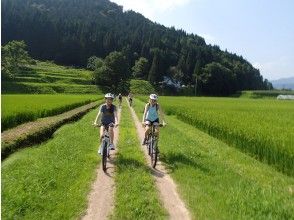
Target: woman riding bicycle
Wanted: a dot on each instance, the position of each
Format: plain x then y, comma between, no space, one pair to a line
119,99
107,117
130,98
151,115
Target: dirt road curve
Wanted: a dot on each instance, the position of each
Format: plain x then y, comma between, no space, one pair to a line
101,198
166,186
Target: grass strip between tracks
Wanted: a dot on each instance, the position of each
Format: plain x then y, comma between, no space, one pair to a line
136,196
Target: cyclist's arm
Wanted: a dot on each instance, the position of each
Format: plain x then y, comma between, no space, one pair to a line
115,116
144,115
161,114
98,117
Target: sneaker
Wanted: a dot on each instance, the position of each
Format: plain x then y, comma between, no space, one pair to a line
100,149
111,146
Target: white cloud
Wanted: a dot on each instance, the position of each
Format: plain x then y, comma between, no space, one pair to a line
149,8
281,67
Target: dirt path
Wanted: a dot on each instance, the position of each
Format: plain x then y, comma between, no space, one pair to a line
101,198
166,186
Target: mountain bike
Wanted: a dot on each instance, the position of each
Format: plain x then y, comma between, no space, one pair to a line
152,147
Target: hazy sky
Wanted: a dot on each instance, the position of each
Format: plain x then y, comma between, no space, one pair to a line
262,31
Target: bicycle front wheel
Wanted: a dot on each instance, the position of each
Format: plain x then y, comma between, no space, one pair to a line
104,156
154,153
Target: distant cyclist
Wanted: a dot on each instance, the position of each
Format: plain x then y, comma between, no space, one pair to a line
130,98
107,116
152,113
119,99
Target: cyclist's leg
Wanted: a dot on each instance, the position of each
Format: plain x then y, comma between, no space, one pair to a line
102,128
147,128
111,134
156,126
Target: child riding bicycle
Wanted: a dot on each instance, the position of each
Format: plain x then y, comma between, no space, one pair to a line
151,115
107,117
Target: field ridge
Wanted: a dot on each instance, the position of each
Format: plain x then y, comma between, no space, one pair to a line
37,131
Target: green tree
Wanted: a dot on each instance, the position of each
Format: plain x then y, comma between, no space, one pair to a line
140,69
14,57
154,70
94,62
197,75
113,74
219,80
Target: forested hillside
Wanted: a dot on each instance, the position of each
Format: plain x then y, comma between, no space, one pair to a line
71,31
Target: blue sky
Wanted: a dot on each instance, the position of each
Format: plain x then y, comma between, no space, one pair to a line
259,30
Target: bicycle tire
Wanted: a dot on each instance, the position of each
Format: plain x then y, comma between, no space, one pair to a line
154,153
149,145
104,156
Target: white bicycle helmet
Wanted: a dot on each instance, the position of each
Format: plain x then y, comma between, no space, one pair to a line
153,96
109,95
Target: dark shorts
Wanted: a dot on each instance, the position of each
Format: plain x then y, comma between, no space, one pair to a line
120,98
155,122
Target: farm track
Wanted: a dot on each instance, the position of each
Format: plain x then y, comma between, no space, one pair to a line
165,184
101,197
38,131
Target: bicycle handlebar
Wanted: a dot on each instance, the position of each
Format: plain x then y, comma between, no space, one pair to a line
100,125
160,125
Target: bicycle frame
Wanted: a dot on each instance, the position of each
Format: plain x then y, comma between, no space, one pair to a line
105,140
152,145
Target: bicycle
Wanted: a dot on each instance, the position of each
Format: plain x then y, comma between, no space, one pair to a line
104,147
152,147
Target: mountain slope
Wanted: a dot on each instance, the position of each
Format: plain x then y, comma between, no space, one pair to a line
284,83
70,31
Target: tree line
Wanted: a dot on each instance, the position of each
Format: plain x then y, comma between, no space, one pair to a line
70,32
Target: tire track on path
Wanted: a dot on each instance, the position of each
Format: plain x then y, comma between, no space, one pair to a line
101,197
165,184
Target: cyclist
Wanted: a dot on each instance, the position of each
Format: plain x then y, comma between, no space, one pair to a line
120,99
107,116
151,115
130,97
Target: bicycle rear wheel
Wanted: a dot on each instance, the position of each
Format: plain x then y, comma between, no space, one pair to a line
104,156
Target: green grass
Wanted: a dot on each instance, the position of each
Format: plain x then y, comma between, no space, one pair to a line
218,181
52,180
47,78
262,128
136,196
17,109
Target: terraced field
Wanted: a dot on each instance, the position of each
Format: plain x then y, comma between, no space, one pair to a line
47,77
17,109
